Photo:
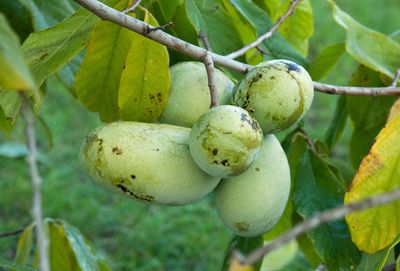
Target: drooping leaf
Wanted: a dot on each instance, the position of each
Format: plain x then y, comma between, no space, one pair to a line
325,61
368,114
10,103
376,261
379,172
19,17
10,266
24,247
245,246
317,189
338,123
209,17
98,79
47,51
69,250
14,73
371,48
394,110
246,30
145,80
298,27
277,46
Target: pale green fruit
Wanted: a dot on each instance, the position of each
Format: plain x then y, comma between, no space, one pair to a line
252,203
148,162
277,94
189,96
225,141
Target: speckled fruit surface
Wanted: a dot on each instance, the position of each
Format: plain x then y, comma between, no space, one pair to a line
252,203
190,95
147,162
276,93
225,141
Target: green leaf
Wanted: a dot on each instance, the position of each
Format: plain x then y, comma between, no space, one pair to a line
371,48
337,124
298,27
13,150
19,17
376,261
98,79
246,30
209,17
168,8
368,114
277,46
379,172
24,247
49,50
245,246
70,251
9,266
325,61
10,103
14,73
317,188
145,81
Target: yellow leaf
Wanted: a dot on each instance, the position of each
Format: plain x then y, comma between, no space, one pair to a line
145,81
394,111
379,172
236,265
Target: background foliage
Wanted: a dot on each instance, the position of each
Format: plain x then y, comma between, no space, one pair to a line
132,236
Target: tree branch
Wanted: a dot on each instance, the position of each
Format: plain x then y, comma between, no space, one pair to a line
11,233
135,4
319,219
114,16
268,34
209,64
396,78
42,241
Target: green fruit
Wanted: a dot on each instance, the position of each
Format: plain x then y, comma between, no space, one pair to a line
148,162
277,94
225,141
252,203
189,96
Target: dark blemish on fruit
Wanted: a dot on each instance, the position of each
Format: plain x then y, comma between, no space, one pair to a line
215,162
254,124
292,66
225,162
257,169
214,151
124,189
242,226
43,56
133,177
117,151
272,77
255,79
137,196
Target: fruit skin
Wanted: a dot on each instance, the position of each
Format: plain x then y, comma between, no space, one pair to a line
225,141
277,94
148,162
252,203
189,96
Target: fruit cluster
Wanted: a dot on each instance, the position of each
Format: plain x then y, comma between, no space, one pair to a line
229,148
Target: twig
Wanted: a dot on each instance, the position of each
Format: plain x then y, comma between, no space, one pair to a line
356,91
389,267
268,34
319,219
396,78
42,241
160,27
11,233
112,15
209,64
308,139
135,4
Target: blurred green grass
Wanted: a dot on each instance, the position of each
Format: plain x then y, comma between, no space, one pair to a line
135,236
